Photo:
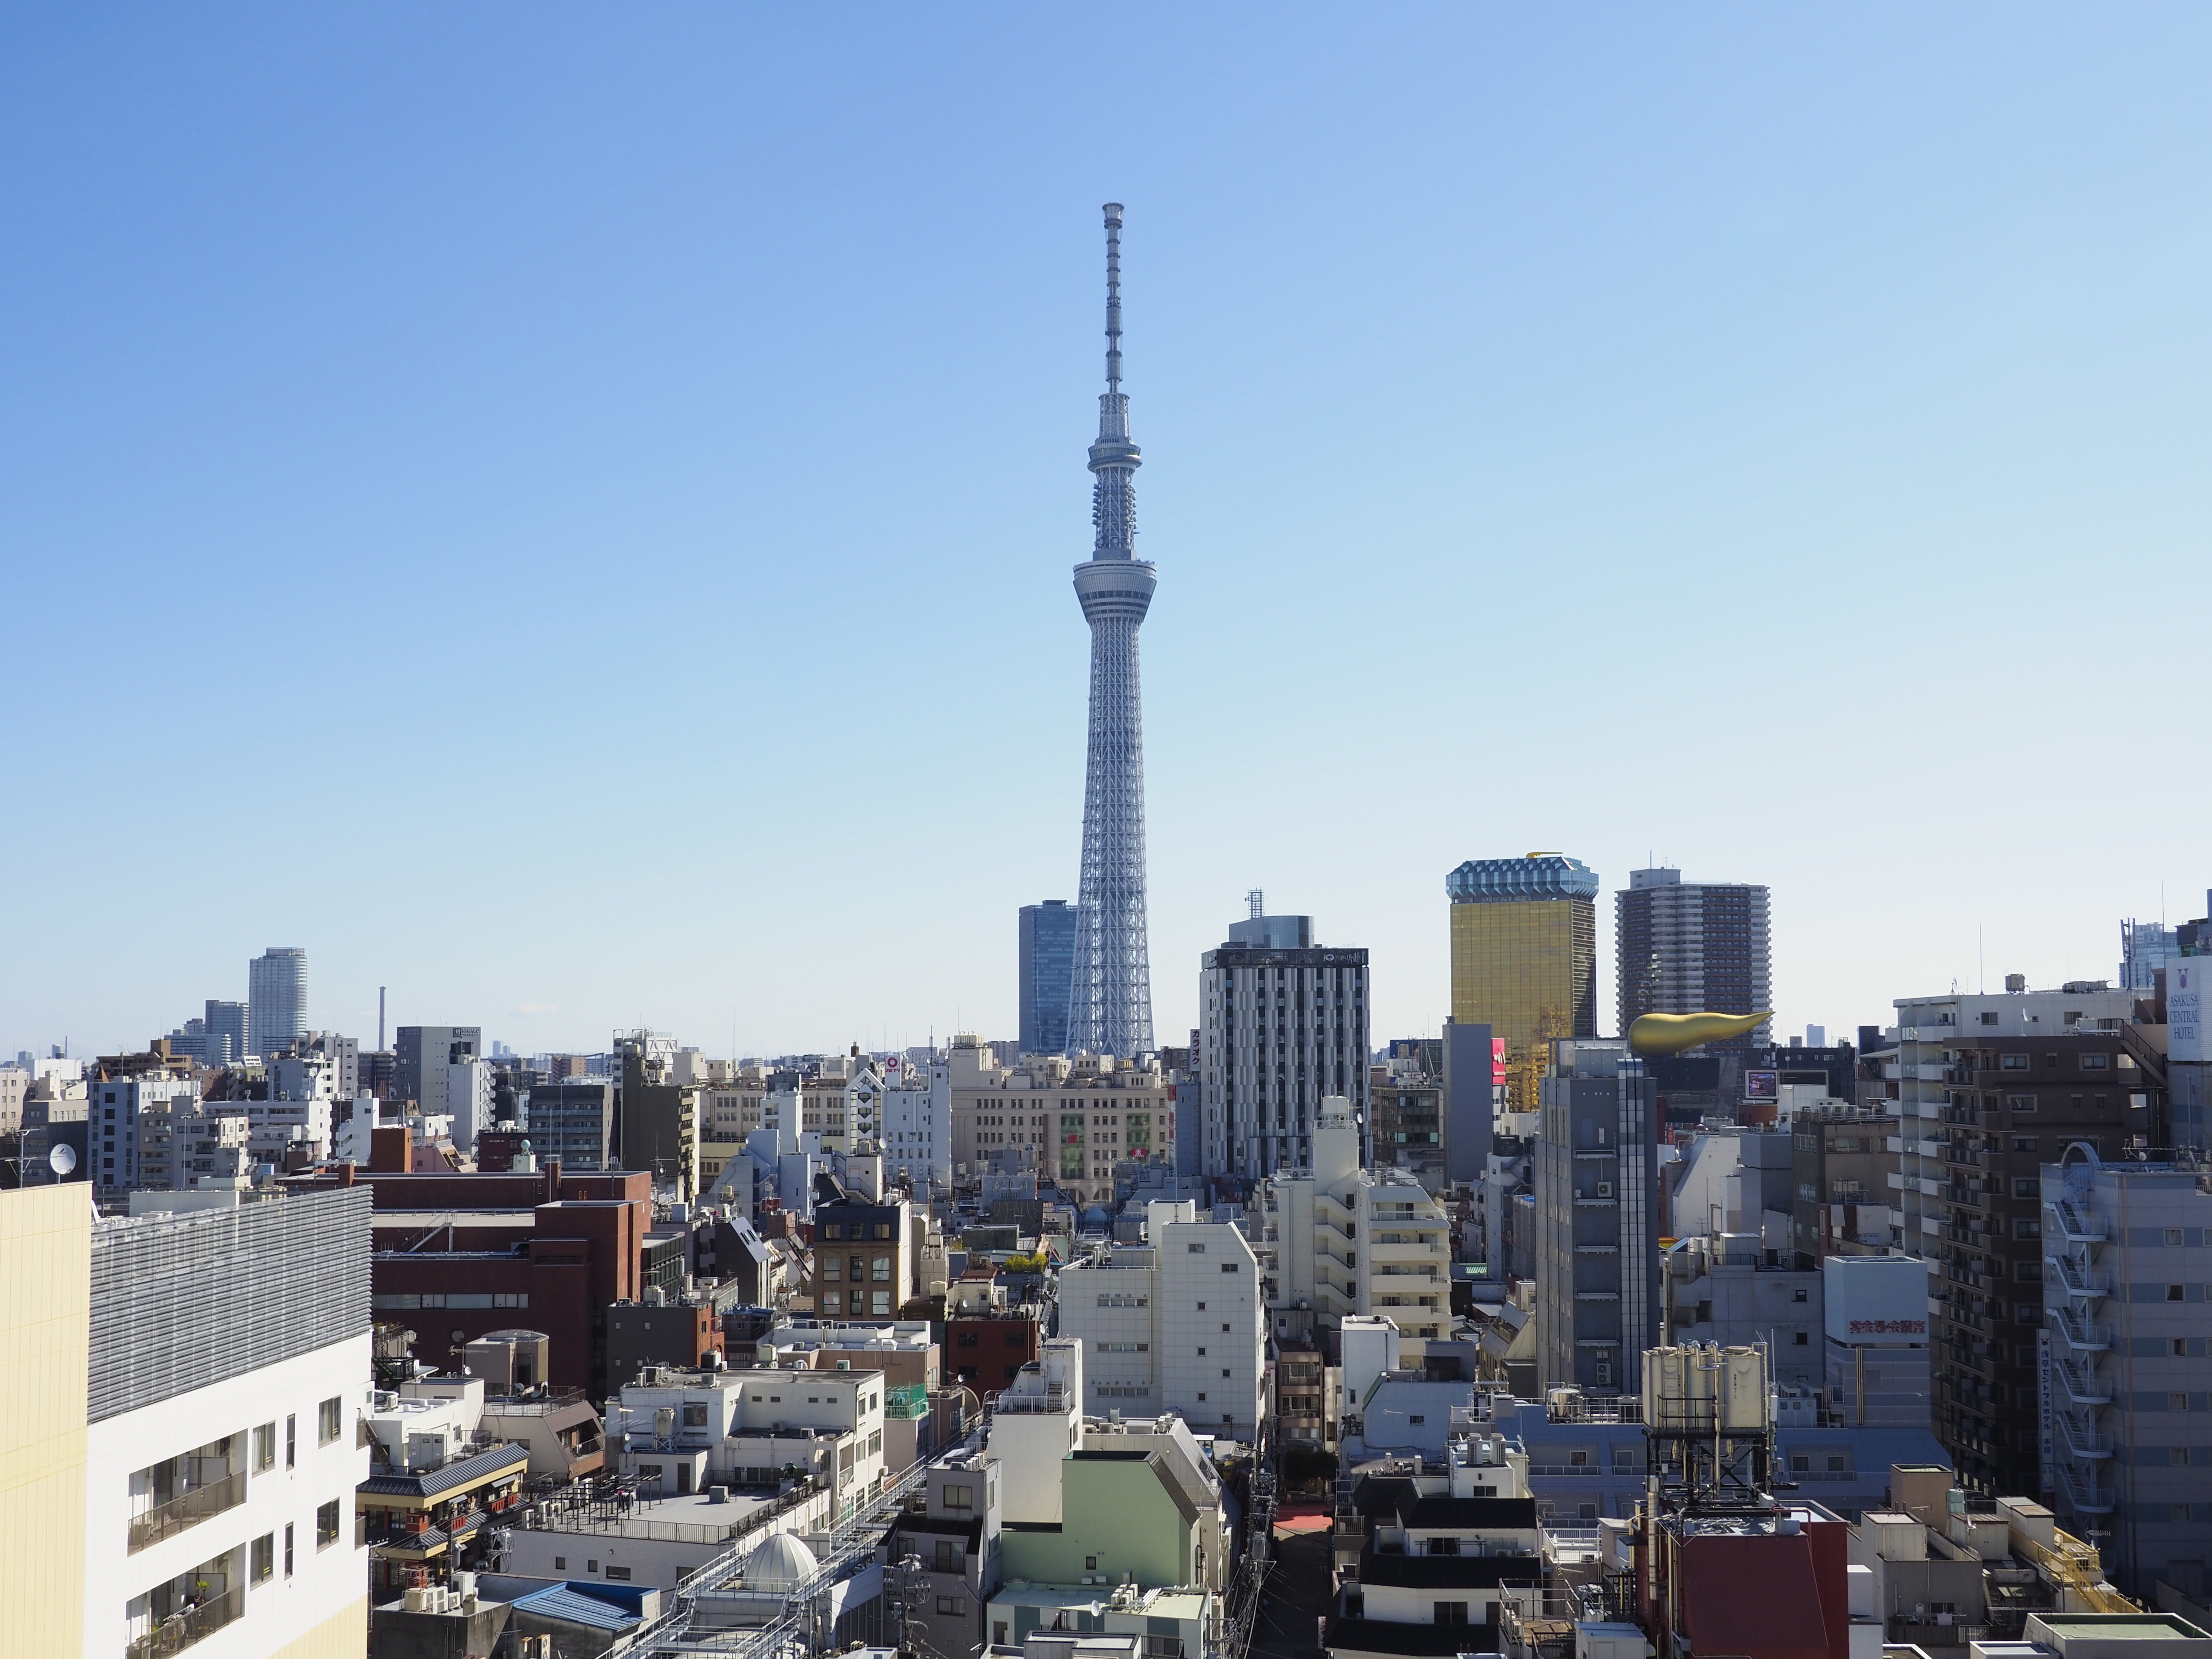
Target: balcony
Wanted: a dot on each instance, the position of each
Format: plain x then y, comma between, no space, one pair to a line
181,1630
1051,1402
186,1510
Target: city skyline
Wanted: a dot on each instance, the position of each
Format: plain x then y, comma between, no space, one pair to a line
1633,393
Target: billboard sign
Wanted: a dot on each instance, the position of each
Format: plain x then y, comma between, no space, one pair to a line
2185,978
1875,1301
1762,1085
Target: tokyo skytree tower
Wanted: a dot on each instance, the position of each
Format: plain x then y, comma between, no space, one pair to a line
1110,1005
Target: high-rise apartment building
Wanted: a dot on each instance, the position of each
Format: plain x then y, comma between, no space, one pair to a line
1683,948
224,1034
1990,1089
1047,966
422,1056
1524,955
2128,1324
1285,1027
275,999
1111,999
1597,1219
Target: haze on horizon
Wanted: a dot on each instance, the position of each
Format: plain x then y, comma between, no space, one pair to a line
568,515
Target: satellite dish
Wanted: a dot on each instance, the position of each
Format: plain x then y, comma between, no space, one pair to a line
62,1160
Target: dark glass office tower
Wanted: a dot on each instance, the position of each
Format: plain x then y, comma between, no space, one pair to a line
1047,966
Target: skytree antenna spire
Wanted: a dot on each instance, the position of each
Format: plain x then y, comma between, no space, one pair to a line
1109,1008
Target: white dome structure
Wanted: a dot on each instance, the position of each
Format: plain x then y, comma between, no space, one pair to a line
780,1561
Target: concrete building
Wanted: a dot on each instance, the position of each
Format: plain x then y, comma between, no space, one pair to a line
1046,956
1525,956
228,1365
1843,1203
950,1556
867,1253
916,1135
1342,1239
685,1431
275,999
123,1097
421,1057
460,1255
1174,1324
1683,948
2127,1250
989,1342
1874,1312
2189,1037
1725,1290
1073,1122
572,1123
225,1033
659,1117
1408,1111
1284,1027
1597,1219
1990,1089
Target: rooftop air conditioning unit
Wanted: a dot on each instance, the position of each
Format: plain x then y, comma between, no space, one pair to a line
1605,1189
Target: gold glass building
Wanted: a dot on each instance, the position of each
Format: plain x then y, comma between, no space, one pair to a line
1524,955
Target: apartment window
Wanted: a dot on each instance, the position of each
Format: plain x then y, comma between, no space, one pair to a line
1201,1352
560,1564
952,1606
829,1269
695,1416
1800,1463
328,1418
592,1564
2023,1102
291,1443
948,1556
2028,1273
265,1448
1988,1017
2174,1234
2015,1062
2177,1402
1201,1393
262,1566
2028,1230
1231,1266
614,1572
1835,1462
287,1549
2180,1348
1197,1249
326,1525
1802,1339
2096,1062
2175,1293
1090,1563
2178,1455
2023,1187
959,1498
1798,1296
2023,1143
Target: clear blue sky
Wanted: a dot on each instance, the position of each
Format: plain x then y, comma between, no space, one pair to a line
566,512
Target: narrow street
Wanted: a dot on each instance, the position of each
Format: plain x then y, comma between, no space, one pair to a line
1294,1599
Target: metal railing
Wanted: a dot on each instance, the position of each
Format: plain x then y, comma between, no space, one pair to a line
2080,1332
180,1629
1052,1402
187,1510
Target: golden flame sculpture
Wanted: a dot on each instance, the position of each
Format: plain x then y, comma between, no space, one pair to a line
1673,1034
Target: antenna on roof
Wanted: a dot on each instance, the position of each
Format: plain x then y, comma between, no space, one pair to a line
1257,904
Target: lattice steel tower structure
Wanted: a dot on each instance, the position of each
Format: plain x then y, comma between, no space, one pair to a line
1110,1007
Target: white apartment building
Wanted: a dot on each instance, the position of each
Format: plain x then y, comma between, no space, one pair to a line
1342,1239
115,1110
468,1100
1172,1325
1284,1031
230,1368
687,1430
917,1123
1034,1424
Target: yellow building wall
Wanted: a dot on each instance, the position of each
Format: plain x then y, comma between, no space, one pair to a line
45,1343
343,1635
1527,972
